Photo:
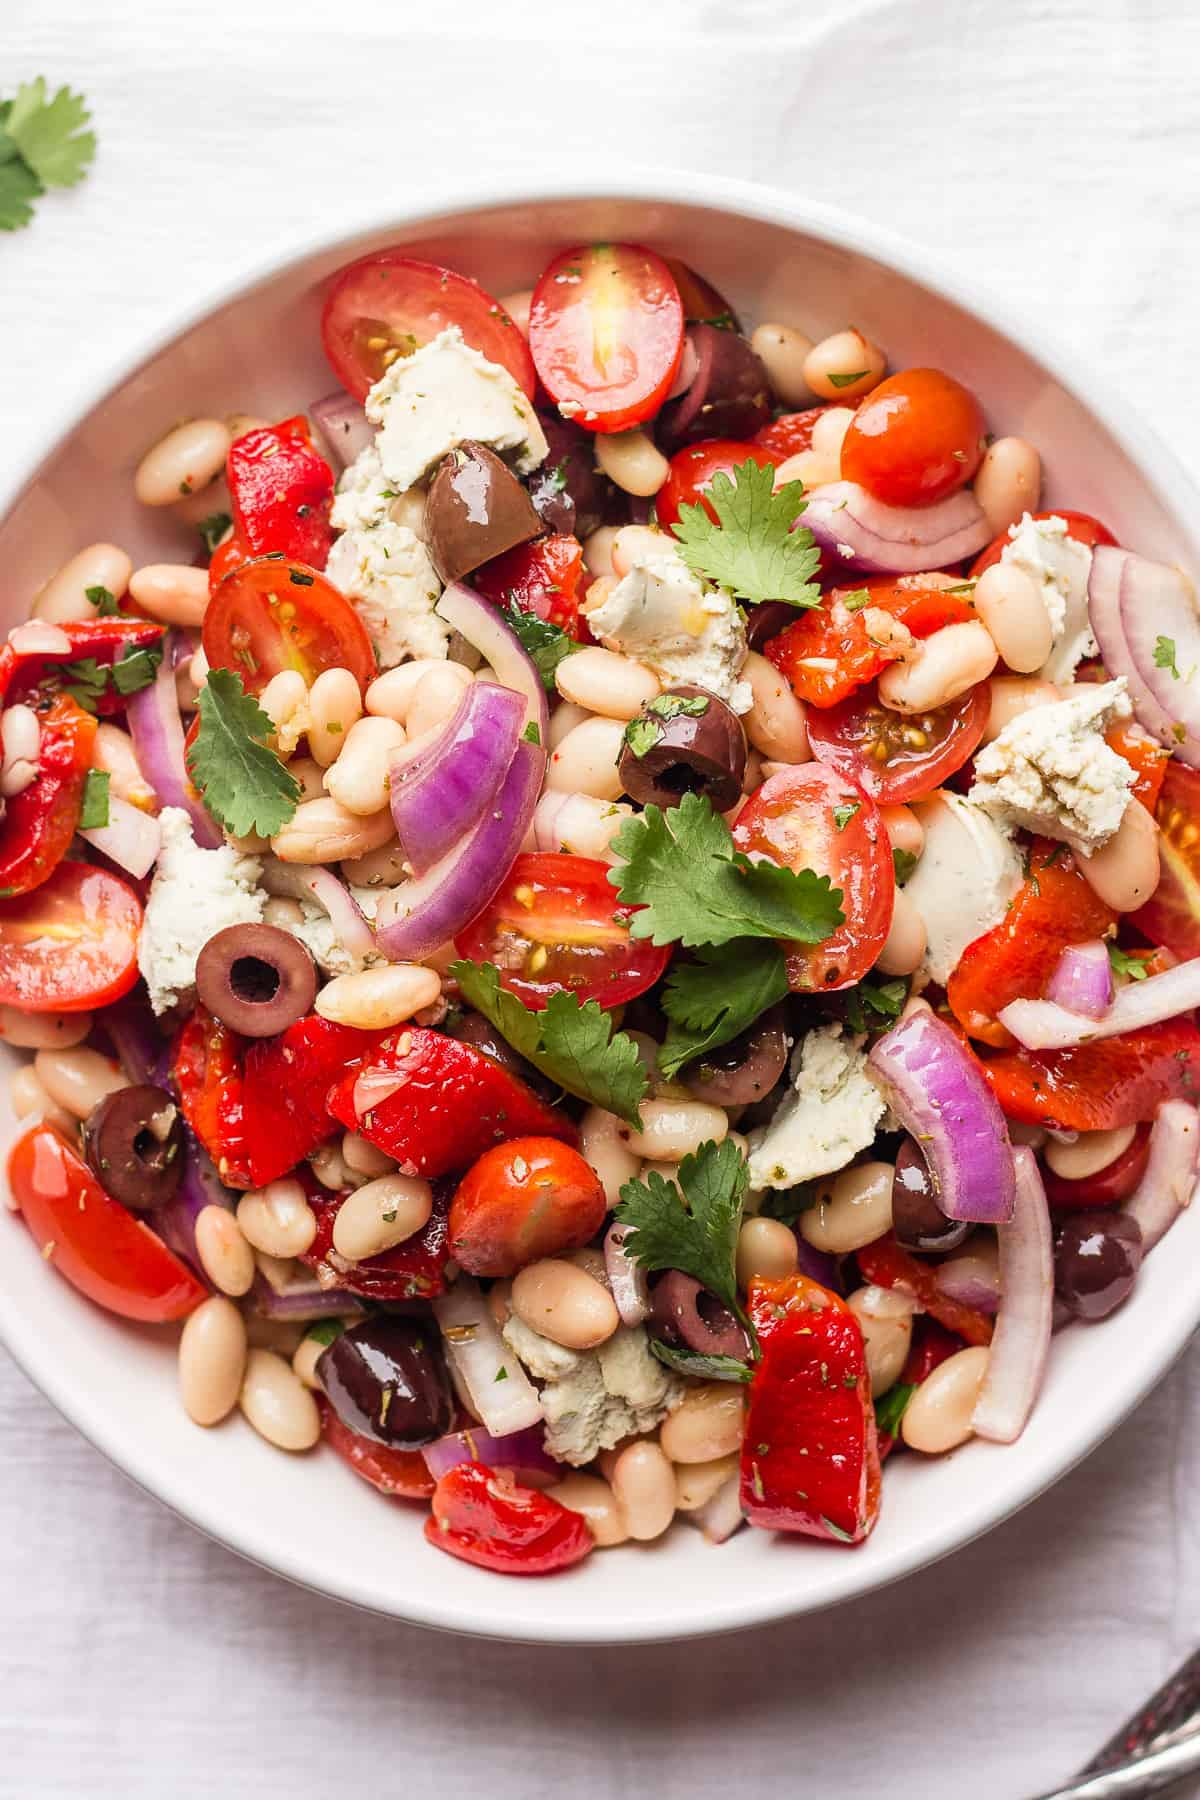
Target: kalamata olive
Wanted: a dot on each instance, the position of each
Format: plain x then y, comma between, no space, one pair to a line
744,1070
568,490
257,979
729,396
1096,1259
767,621
386,1379
682,1313
472,1028
685,741
133,1141
475,509
917,1220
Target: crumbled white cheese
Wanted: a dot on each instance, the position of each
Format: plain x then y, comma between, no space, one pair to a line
832,1111
386,572
443,395
1060,568
664,616
195,893
329,953
1051,771
969,871
593,1398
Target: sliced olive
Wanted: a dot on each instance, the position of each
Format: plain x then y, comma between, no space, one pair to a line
686,741
729,395
744,1070
256,979
767,621
569,492
1096,1259
386,1379
683,1313
472,1028
917,1219
134,1144
475,509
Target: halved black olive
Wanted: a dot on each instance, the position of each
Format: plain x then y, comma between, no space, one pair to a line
744,1070
475,509
134,1144
569,491
257,979
684,1313
917,1219
686,741
386,1379
728,397
472,1028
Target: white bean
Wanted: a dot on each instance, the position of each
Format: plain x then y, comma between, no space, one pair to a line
634,542
564,1303
65,595
285,702
708,1423
853,1210
182,463
565,717
906,939
360,779
643,1485
20,735
385,867
603,682
844,367
887,1334
365,1158
334,704
287,914
633,461
597,551
1009,602
113,751
812,467
1125,871
277,1219
321,831
373,999
585,762
603,1145
307,1355
673,1129
1010,696
938,1417
775,723
583,826
696,1483
829,431
905,831
950,661
43,1031
29,1100
278,1405
225,1256
596,1502
174,593
437,698
1008,482
329,1167
212,1360
784,352
1090,1152
766,1248
78,1079
380,1215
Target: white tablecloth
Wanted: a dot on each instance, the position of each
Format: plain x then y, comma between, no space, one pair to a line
1054,145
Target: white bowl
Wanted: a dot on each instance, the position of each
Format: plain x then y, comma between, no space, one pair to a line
255,347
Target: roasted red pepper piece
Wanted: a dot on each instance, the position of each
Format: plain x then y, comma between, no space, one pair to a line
104,640
288,1080
810,1461
281,490
931,1345
413,1270
888,1265
542,578
484,1517
449,1103
401,1474
1096,1087
40,822
206,1067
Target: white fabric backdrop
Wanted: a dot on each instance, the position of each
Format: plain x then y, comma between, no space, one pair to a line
1054,145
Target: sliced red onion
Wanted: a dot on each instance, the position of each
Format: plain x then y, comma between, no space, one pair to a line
175,1220
344,426
937,1091
1021,1345
1082,981
626,1278
721,1516
131,838
413,920
972,1278
1131,603
440,792
477,620
135,1037
299,881
524,1452
303,1299
876,539
1040,1025
1167,1186
157,732
499,1391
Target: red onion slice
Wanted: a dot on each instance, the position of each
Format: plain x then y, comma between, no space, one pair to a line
415,919
344,426
1166,1187
133,1033
1021,1345
721,1516
524,1452
201,1186
937,1091
1041,1025
973,1279
304,1299
1082,981
865,534
1131,603
297,881
626,1277
439,793
498,1388
157,732
131,838
477,620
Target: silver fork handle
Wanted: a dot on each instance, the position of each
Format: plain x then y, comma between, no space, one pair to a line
1130,1781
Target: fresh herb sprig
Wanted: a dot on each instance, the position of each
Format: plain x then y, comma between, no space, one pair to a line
43,144
245,786
750,549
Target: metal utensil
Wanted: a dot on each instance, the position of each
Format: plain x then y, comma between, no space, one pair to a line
1153,1750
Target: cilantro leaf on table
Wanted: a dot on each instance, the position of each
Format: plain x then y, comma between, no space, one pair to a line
751,551
693,887
712,1000
572,1044
42,145
243,783
18,189
692,1227
545,643
93,807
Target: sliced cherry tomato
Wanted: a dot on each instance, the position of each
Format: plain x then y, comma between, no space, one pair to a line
790,433
888,1265
103,641
388,304
91,1240
1053,908
828,651
1146,757
810,1458
71,944
1172,915
40,821
702,304
1109,1185
555,924
288,1080
526,1199
484,1517
606,332
206,1068
896,757
542,578
413,1270
931,1345
281,490
226,557
400,1474
916,438
692,472
814,817
1080,526
1096,1087
272,614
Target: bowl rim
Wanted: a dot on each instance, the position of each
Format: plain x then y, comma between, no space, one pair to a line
765,204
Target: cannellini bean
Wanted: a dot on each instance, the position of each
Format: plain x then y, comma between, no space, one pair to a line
1012,695
78,1079
277,1219
175,593
16,777
633,543
829,432
20,735
708,1423
1090,1152
905,831
310,775
643,1485
225,1256
437,698
938,1417
285,702
1008,482
360,779
586,827
365,1158
307,1355
765,1247
887,1327
380,1215
322,831
113,751
614,686
599,591
283,1336
633,461
844,367
565,1303
193,509
182,463
385,867
1009,602
499,1302
565,717
64,596
278,1405
603,1145
906,939
696,1483
673,1129
775,723
784,352
329,1167
30,1100
597,551
585,762
950,661
334,704
853,1210
212,1360
376,998
595,1500
1125,871
517,307
808,466
43,1031
287,914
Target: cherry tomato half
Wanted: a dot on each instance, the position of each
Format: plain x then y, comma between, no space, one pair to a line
71,944
692,472
916,438
529,1198
606,331
814,817
1110,1185
1080,526
1172,915
893,756
556,924
702,303
387,305
271,614
790,433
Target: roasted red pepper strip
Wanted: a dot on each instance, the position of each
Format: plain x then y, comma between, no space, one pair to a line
446,1106
484,1517
542,578
281,490
888,1265
40,822
401,1474
104,640
206,1068
1096,1087
810,1460
931,1345
288,1080
413,1270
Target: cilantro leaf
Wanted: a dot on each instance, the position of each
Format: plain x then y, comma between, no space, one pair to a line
136,669
847,377
891,1406
572,1044
19,186
326,1330
104,602
842,815
244,784
903,862
213,529
752,551
48,133
545,643
1122,964
704,1368
884,999
1164,655
93,807
718,996
694,1226
693,887
85,681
